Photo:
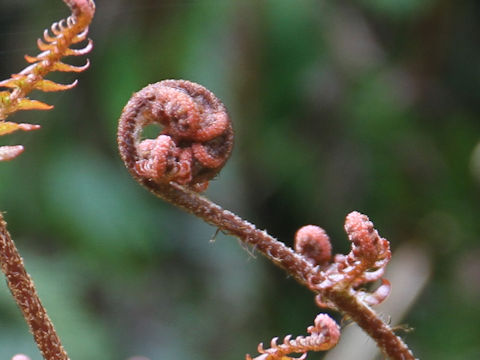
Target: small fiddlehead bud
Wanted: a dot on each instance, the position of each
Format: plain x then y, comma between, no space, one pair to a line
196,138
314,244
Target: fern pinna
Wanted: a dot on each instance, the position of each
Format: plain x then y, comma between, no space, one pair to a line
53,48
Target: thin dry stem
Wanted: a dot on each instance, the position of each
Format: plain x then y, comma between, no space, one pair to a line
26,296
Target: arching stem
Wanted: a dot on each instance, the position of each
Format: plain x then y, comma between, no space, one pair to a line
283,256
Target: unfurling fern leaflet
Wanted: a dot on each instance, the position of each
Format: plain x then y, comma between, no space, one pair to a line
324,335
53,48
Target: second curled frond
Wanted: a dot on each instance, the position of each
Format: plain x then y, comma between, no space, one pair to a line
365,263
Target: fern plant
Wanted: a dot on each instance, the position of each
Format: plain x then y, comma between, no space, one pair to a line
194,144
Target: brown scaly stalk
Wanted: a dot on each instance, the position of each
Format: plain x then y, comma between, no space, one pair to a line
26,297
194,144
53,48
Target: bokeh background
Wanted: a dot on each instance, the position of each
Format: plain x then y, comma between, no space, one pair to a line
368,105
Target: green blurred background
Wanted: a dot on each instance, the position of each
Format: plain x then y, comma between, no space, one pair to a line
368,105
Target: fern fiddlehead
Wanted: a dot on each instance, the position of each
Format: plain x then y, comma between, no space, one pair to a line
195,142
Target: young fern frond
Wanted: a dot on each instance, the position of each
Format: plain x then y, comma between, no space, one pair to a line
65,33
53,48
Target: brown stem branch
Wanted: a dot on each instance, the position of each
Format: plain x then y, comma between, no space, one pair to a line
228,222
26,297
283,256
390,344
